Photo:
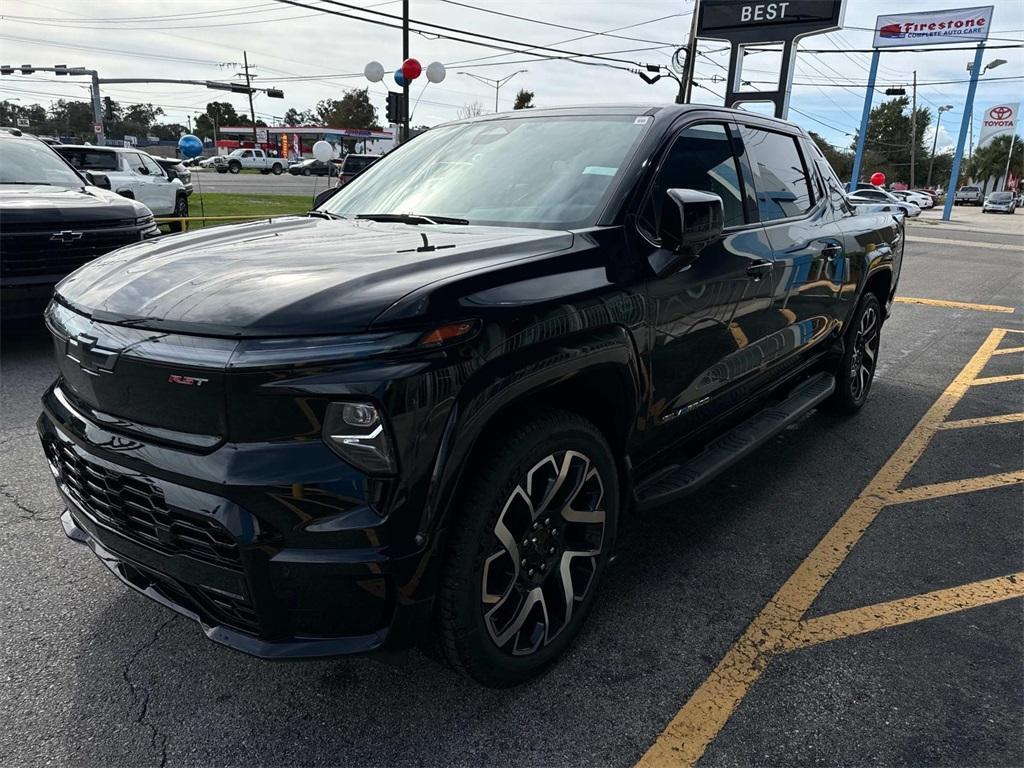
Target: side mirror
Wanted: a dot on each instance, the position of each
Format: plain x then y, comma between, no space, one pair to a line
690,221
100,180
324,196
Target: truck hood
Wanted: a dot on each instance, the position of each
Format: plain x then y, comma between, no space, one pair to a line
43,204
293,276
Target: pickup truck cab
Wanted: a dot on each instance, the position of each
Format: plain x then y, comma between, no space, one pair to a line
132,174
240,159
429,406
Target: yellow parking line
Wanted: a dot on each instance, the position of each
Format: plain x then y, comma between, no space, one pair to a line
954,304
941,602
997,379
1008,351
952,487
688,734
983,421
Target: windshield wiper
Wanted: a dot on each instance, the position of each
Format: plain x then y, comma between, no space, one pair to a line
411,218
324,214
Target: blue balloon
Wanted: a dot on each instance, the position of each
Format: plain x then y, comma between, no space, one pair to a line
400,78
190,146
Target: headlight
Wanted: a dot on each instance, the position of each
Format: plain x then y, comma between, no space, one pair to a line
357,433
141,221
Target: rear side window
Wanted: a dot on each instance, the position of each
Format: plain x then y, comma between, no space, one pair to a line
780,176
701,158
90,159
356,164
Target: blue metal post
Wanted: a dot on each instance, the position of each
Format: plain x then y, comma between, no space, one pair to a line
862,136
954,175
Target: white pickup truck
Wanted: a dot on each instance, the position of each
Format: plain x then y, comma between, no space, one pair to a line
251,158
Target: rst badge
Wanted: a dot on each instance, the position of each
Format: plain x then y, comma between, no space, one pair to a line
188,381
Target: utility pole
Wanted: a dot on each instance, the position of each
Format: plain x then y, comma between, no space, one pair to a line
1006,173
686,86
935,143
913,133
252,110
405,56
494,83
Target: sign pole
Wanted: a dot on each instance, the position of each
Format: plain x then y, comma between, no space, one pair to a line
862,135
954,175
1009,155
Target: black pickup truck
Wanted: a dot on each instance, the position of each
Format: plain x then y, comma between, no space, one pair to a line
428,406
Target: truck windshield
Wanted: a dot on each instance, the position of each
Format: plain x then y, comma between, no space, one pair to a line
32,162
532,171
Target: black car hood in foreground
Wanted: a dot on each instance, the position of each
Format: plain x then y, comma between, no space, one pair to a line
42,204
294,276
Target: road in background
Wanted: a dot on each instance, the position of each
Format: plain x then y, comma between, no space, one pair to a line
258,184
96,675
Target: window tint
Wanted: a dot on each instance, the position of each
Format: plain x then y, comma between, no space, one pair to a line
779,174
152,166
90,159
700,158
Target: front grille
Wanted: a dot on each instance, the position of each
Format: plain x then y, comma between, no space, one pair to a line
36,254
228,609
135,508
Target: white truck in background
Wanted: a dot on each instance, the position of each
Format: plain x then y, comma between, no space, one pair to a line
251,158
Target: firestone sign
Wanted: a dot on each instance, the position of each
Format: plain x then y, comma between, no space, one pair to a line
957,25
998,120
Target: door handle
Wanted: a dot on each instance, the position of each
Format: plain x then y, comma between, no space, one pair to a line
759,269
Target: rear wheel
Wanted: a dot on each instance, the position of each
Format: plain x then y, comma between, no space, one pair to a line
857,367
180,212
306,172
235,167
277,169
535,528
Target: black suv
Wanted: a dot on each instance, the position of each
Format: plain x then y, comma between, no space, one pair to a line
432,402
52,220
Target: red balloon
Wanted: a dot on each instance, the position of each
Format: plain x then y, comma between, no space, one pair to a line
878,179
411,69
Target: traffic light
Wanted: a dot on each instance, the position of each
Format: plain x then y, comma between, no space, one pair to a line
240,88
60,69
396,107
275,93
895,91
6,69
27,69
108,108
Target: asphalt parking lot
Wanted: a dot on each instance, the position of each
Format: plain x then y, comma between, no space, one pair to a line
847,596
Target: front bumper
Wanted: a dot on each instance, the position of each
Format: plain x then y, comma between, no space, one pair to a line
209,558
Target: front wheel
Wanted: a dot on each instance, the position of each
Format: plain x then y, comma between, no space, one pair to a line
534,531
860,358
235,168
277,170
306,172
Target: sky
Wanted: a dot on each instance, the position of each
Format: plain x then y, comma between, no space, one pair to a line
311,55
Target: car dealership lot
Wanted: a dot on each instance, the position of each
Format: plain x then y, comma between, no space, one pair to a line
93,674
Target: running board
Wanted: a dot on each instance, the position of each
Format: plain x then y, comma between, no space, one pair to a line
724,451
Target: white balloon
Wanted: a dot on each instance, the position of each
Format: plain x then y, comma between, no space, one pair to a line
323,151
435,72
374,71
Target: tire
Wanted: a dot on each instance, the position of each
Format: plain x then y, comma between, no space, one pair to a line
277,170
306,172
495,614
234,168
180,211
860,358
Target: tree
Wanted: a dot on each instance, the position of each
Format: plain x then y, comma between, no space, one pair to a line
143,114
217,113
841,160
168,131
989,162
293,117
71,118
889,140
353,110
524,99
470,110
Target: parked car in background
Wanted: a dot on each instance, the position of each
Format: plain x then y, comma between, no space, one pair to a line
426,409
999,202
210,162
241,159
53,220
313,167
175,169
919,199
352,165
969,195
877,195
132,173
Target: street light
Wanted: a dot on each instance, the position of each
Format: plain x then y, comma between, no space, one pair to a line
935,141
993,64
496,84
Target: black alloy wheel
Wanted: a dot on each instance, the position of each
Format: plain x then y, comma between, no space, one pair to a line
536,529
860,359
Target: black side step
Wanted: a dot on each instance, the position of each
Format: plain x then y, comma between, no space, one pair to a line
724,451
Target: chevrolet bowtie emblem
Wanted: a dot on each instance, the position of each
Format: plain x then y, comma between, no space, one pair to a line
92,359
65,236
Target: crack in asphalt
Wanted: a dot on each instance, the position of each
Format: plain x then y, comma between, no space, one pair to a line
33,515
157,739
